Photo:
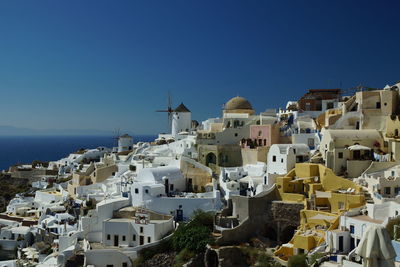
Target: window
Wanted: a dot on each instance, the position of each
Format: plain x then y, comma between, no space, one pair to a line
340,155
311,142
141,229
294,150
148,239
299,159
136,190
123,238
396,190
146,191
281,160
134,237
329,105
387,190
351,229
236,134
378,104
110,265
124,264
341,205
171,187
259,133
108,237
274,158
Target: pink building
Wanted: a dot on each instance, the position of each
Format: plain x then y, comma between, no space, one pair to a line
262,135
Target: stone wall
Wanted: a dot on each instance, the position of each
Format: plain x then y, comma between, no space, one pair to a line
263,215
224,257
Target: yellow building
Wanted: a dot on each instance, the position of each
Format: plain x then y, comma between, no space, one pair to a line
328,118
325,197
95,173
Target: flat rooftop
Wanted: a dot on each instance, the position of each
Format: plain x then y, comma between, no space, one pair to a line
366,218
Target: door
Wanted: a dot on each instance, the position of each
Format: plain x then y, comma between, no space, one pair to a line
352,243
340,243
116,241
190,185
356,154
179,215
141,240
166,184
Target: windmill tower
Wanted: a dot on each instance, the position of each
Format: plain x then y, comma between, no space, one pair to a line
169,110
181,120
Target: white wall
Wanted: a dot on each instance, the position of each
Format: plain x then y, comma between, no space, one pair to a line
169,205
181,122
104,257
92,226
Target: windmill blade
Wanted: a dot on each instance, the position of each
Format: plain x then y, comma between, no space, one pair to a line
169,102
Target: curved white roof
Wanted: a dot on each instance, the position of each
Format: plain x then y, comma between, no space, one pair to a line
159,174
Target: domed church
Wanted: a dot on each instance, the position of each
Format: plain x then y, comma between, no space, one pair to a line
238,105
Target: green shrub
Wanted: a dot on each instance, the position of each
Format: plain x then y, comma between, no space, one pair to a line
250,253
194,238
390,227
264,260
297,261
315,257
196,234
183,257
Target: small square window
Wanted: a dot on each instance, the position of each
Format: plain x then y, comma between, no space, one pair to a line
340,155
136,190
396,190
146,191
123,238
274,158
387,190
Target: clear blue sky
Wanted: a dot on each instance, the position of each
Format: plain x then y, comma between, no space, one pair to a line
109,64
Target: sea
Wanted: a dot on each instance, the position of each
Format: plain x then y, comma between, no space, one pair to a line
25,149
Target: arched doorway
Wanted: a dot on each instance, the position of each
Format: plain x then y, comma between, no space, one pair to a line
212,258
287,233
211,159
270,233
